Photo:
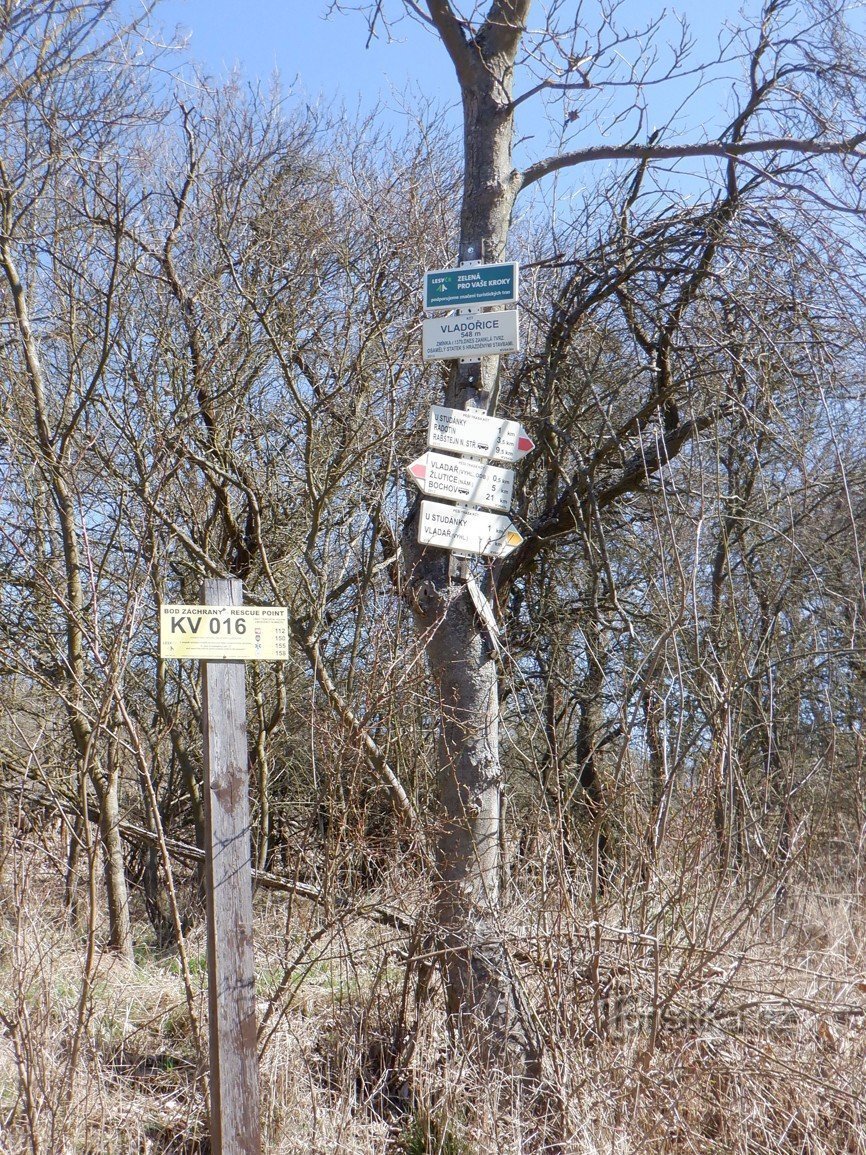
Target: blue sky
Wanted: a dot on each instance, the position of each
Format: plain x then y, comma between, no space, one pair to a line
320,58
326,59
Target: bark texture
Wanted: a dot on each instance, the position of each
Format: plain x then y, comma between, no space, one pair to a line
480,994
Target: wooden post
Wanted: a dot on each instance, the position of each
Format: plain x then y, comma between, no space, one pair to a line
234,1076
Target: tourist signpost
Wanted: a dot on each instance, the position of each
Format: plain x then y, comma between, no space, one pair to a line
222,634
463,479
461,443
470,431
467,530
470,335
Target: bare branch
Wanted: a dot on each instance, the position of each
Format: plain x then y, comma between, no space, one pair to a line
453,37
847,146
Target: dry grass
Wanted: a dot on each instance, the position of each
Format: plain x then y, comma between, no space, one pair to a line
710,1024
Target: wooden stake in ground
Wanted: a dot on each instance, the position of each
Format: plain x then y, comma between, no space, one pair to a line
234,1083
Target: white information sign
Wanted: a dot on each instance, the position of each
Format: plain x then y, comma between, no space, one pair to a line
463,479
466,530
471,335
465,431
224,633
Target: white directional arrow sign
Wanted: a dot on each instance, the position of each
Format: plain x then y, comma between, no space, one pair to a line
463,479
467,530
464,431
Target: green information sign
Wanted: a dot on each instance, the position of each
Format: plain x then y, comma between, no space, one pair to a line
471,285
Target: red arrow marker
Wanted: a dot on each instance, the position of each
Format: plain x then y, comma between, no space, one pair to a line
524,443
418,469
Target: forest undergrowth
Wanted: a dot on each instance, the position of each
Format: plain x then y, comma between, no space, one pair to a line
683,1013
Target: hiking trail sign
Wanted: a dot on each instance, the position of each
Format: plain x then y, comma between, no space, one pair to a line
467,530
471,331
463,479
470,335
470,286
472,432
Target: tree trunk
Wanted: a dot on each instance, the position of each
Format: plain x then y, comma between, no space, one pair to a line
468,847
480,997
117,892
589,728
52,460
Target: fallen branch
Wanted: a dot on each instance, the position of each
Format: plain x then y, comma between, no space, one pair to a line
38,794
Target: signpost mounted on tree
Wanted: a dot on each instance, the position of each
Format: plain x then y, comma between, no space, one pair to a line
461,654
466,528
486,43
223,633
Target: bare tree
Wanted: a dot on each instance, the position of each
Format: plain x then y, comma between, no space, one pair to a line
67,96
795,119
